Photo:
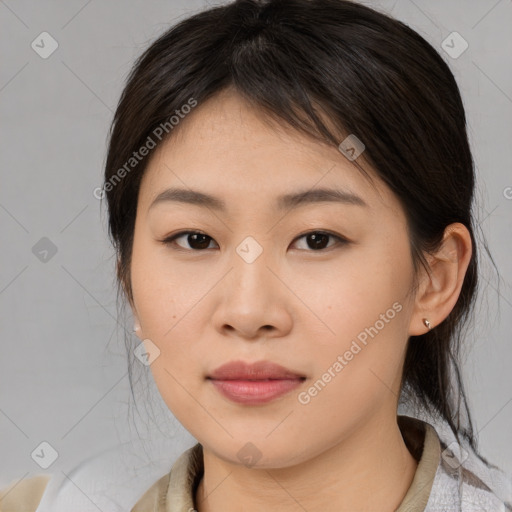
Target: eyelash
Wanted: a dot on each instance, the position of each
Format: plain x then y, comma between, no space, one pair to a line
170,241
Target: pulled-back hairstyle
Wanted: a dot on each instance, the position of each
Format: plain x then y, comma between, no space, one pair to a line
327,68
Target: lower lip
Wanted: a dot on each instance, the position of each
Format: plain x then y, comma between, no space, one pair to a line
255,391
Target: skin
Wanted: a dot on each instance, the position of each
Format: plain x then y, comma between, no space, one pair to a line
295,305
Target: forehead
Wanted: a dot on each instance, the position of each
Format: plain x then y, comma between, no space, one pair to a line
230,150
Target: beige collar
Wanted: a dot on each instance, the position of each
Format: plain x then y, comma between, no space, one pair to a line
175,491
422,441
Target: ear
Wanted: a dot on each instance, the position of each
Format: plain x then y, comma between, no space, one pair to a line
440,287
137,328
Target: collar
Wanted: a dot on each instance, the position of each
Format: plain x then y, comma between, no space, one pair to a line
175,491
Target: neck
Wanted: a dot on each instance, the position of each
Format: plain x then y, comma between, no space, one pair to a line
371,469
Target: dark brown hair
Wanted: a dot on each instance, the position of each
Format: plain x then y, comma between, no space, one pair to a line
301,62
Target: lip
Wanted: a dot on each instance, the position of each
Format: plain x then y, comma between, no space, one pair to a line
255,383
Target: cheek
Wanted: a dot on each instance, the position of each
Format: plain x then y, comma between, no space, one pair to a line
366,310
163,305
366,288
164,293
167,299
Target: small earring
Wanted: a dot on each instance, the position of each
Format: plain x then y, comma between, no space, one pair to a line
136,327
427,324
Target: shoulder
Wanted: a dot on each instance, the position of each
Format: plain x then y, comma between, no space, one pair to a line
23,495
450,476
470,483
464,489
113,479
153,497
175,490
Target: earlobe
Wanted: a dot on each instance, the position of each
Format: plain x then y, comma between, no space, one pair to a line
441,285
137,328
427,323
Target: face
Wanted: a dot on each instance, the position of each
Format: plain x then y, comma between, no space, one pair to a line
319,286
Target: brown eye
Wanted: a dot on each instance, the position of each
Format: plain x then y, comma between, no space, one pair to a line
319,240
196,240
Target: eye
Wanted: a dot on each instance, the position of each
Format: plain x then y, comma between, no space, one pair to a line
318,240
198,241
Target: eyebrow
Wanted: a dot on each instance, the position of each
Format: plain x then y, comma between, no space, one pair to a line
284,202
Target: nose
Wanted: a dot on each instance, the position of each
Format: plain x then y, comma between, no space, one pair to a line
253,302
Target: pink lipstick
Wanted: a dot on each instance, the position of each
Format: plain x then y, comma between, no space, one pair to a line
255,383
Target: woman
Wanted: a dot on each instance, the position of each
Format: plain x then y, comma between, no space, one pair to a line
290,187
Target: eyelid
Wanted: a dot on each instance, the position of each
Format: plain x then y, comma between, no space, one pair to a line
170,240
341,240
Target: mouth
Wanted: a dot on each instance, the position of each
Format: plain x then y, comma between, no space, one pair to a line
256,383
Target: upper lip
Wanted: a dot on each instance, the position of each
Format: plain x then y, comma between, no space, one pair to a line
260,370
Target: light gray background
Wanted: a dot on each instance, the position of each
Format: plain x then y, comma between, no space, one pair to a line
63,372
